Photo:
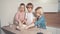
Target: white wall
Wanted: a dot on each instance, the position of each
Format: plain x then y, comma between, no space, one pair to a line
8,8
59,5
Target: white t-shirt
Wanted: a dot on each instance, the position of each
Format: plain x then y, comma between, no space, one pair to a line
29,17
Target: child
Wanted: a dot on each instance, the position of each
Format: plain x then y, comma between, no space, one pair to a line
20,15
40,20
29,14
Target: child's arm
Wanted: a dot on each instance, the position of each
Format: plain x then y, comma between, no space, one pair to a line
34,20
16,16
25,20
32,23
30,26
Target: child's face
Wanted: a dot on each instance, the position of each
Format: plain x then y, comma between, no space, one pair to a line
38,12
29,8
22,8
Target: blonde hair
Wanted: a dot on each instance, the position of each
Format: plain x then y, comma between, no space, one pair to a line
39,8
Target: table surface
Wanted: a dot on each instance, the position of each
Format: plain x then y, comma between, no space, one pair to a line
24,31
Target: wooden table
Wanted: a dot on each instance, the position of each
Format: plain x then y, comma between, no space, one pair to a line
12,30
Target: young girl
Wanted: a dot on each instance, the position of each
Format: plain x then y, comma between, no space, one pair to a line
29,14
40,19
20,16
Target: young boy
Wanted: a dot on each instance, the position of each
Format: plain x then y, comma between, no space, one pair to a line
29,14
20,16
40,20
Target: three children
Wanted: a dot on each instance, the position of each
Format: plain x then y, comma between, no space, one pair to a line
28,19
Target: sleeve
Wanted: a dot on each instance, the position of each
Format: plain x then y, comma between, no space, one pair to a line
34,19
17,16
26,15
39,21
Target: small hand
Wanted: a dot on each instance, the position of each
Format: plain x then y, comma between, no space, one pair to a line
26,27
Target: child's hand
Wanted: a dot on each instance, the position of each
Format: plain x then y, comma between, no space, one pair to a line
26,27
17,28
34,20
